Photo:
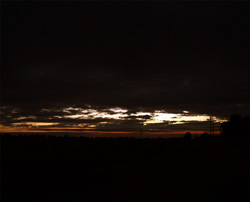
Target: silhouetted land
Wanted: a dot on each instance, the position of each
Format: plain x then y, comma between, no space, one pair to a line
68,168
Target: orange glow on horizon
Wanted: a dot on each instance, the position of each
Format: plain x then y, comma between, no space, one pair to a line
95,132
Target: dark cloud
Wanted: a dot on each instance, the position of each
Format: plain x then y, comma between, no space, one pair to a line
142,56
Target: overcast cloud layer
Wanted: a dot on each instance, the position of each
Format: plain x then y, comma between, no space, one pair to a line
143,56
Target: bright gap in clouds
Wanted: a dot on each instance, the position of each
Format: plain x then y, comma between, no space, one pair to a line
110,118
158,116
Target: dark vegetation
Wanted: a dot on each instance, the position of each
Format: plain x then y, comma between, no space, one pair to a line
237,126
49,168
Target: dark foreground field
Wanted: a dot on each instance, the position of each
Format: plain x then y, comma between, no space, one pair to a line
67,169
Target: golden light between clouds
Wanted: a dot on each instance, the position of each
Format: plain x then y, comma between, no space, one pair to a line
146,118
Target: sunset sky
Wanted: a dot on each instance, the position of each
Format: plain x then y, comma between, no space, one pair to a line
117,67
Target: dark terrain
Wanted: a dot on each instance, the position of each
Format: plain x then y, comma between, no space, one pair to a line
41,168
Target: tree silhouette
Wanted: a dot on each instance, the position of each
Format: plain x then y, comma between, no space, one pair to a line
236,127
188,136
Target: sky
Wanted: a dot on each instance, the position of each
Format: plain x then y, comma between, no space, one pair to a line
119,67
